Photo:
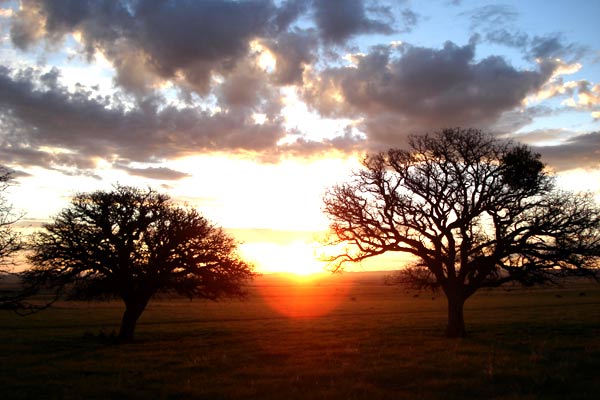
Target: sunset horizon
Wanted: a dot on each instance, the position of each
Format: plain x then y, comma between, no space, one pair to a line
249,111
299,199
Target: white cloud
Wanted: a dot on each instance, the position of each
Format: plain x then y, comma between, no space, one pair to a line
6,12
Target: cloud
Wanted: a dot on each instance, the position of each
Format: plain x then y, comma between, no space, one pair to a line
27,25
508,37
556,135
580,151
497,22
337,21
587,97
421,88
348,143
554,46
161,173
551,46
492,15
410,19
248,90
45,124
211,55
288,12
581,95
188,43
514,120
293,51
154,40
20,174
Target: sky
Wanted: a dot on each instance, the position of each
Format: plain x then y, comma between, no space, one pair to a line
250,110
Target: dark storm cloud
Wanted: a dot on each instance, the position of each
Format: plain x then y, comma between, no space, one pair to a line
86,126
421,88
581,151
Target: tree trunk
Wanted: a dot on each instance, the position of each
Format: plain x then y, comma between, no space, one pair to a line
133,310
456,321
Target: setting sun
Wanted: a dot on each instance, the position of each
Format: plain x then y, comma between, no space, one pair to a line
298,257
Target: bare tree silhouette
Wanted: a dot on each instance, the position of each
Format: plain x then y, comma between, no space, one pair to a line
474,212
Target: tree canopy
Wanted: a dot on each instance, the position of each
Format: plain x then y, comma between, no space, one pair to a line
474,211
10,243
133,243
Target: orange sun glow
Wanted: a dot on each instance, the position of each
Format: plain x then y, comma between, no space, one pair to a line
298,258
303,296
297,284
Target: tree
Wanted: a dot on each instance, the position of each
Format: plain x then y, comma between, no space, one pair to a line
10,242
473,211
133,243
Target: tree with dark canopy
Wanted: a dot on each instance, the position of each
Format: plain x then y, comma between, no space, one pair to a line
10,244
473,211
133,243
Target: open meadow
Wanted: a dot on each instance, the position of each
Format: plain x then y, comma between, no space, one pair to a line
343,337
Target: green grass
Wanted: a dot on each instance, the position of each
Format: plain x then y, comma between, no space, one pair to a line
378,343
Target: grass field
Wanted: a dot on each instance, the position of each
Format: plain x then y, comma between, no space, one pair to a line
346,337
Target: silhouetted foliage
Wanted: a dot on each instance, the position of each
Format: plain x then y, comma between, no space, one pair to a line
522,169
10,241
132,244
474,211
10,244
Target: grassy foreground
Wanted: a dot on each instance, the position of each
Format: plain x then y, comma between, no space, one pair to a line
371,342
